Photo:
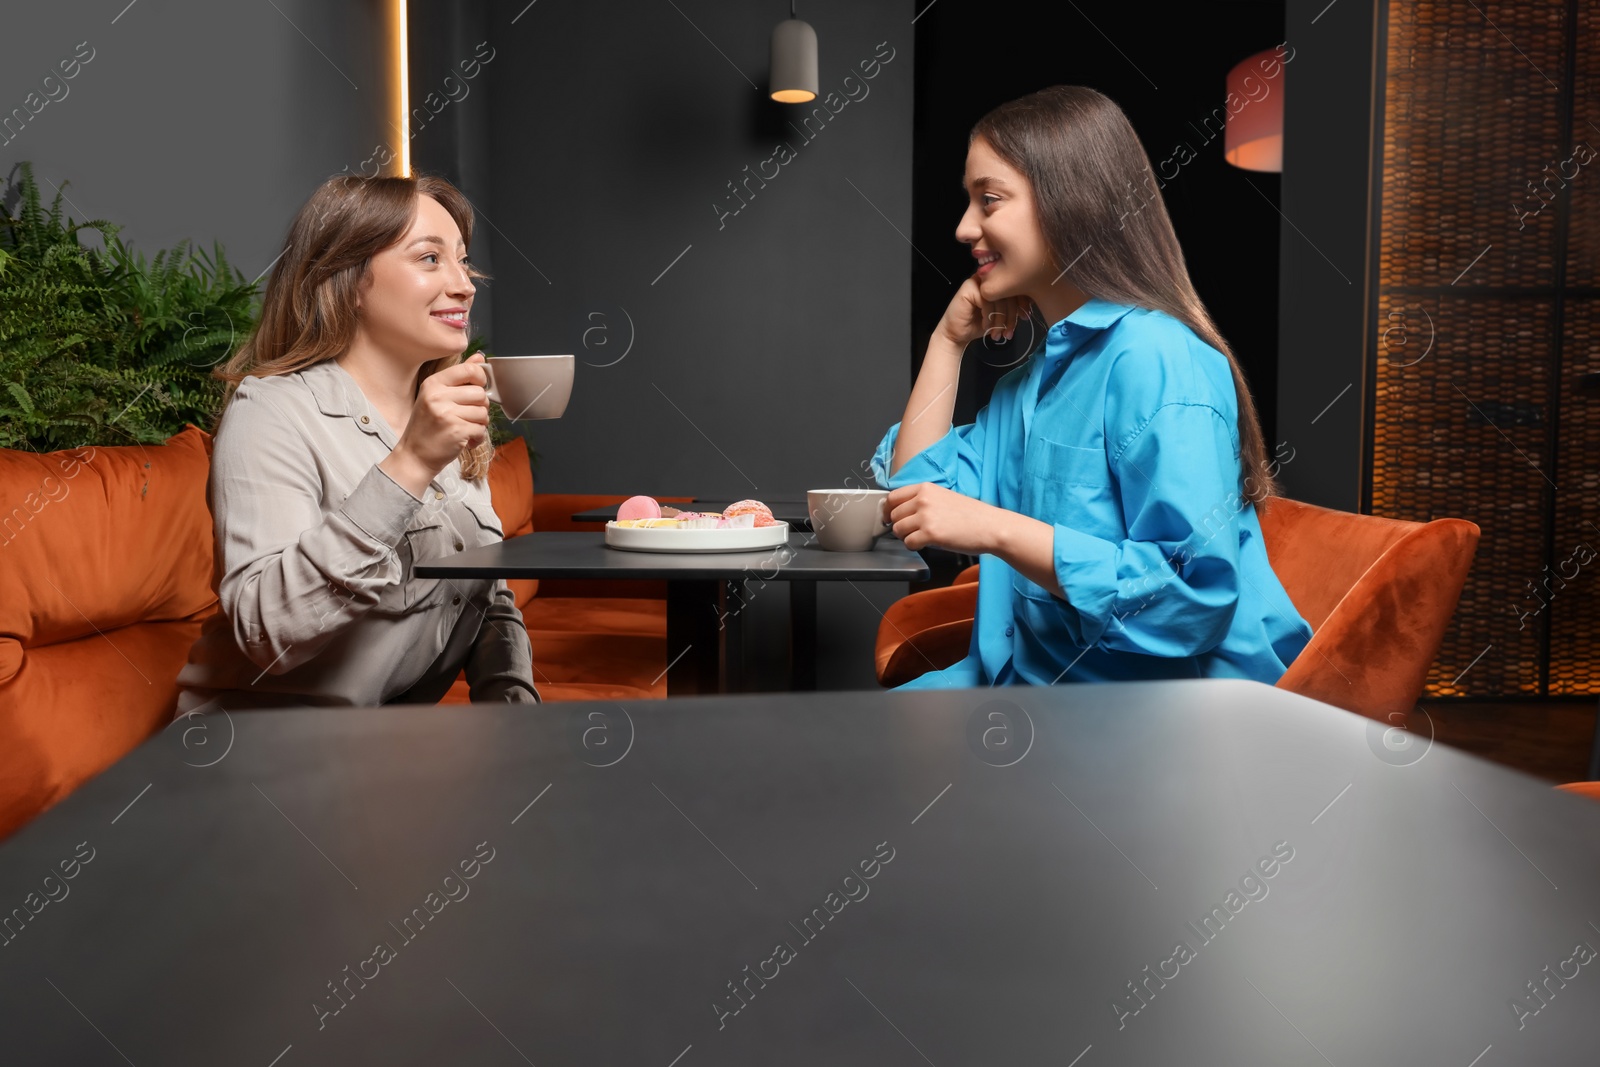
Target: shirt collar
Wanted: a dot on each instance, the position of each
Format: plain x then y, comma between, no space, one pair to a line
338,394
1097,314
1090,317
1065,338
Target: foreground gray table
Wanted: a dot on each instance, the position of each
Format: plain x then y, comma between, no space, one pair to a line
1070,875
705,591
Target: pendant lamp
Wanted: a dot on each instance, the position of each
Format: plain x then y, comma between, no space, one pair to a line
794,61
1253,135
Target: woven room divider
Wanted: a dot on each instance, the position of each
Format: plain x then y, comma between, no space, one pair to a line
1486,325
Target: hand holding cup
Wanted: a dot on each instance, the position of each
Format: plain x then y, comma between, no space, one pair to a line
451,412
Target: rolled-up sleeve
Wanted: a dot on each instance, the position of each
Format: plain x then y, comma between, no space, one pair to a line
954,461
499,668
1171,587
291,577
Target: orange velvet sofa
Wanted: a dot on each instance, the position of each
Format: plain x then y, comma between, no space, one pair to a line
105,578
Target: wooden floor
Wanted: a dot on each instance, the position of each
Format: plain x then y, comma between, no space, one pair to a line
1549,739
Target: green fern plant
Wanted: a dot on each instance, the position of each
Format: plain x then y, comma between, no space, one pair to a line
99,346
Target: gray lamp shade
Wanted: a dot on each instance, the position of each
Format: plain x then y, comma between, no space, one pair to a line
794,62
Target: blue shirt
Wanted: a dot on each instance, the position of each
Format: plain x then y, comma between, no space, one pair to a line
1122,433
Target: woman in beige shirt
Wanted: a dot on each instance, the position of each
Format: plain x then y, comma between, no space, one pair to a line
352,446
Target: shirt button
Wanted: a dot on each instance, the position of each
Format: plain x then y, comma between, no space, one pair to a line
365,419
1010,630
459,546
455,600
438,496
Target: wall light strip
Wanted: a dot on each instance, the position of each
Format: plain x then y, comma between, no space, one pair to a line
404,66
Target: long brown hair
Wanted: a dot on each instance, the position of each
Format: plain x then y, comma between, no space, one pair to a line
1084,161
308,314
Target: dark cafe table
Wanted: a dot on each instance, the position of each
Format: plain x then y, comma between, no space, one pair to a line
705,617
1201,872
793,512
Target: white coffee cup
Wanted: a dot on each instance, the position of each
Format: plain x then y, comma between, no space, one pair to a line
530,387
848,520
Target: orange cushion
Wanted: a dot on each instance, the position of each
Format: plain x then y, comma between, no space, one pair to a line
1319,554
1583,789
610,649
611,659
603,588
553,691
511,486
925,631
1379,594
77,707
102,537
609,615
511,493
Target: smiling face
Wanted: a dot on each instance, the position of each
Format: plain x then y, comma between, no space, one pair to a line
415,300
1002,227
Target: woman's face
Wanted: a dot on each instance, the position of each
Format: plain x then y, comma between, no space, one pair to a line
415,300
1002,227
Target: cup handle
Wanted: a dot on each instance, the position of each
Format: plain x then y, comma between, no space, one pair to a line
884,525
494,394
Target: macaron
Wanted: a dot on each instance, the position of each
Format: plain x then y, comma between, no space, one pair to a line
762,513
639,507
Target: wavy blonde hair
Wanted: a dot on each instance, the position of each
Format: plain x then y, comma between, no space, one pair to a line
308,314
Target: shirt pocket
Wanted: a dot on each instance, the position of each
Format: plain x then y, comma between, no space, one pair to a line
1061,482
423,541
487,521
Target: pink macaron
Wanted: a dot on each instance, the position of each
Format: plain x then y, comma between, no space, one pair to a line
639,507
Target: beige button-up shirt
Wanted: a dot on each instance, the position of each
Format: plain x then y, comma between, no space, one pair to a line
314,564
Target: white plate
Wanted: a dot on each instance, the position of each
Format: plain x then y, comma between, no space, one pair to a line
666,539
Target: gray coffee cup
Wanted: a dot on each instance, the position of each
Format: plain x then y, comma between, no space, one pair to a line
530,387
848,520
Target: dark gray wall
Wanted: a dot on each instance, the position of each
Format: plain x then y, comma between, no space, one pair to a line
449,105
764,350
196,119
1327,162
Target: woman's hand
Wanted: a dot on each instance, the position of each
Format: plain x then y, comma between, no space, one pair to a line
970,316
451,412
926,514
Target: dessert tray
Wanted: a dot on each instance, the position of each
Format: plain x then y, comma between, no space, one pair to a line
643,525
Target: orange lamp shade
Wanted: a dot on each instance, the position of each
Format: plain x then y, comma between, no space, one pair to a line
1253,139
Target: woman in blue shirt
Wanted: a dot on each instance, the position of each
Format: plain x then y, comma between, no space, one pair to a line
1109,484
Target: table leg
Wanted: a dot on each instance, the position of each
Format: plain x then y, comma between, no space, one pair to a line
731,620
802,635
692,639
